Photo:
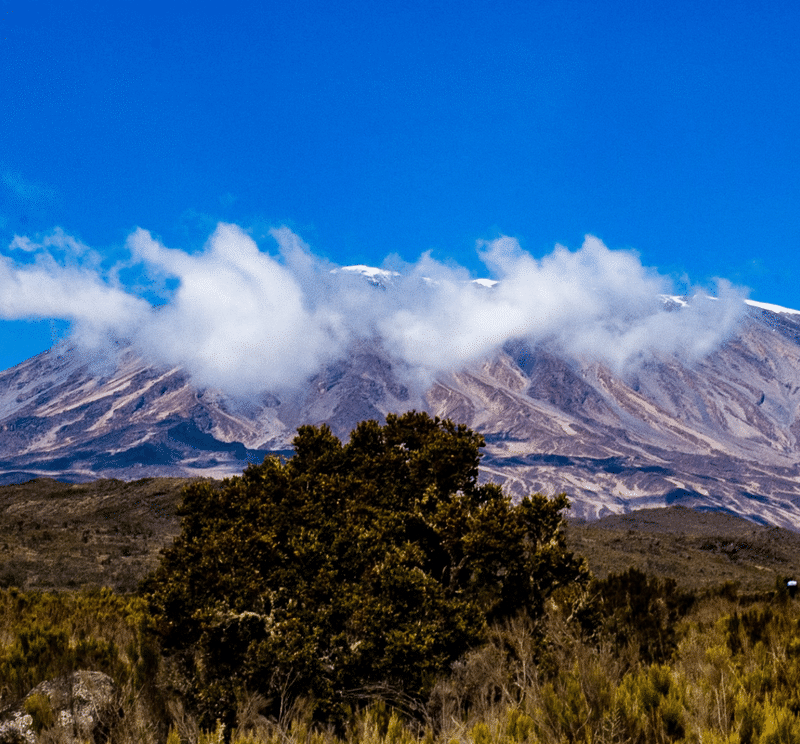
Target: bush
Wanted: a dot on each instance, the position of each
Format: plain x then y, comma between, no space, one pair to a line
642,611
351,571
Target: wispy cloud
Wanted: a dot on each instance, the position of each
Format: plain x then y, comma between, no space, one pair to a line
25,189
245,320
49,289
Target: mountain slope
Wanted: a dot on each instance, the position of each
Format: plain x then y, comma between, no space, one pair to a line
720,433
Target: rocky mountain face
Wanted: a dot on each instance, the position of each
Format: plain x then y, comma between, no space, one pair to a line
718,434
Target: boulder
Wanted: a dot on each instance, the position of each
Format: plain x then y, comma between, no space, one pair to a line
82,704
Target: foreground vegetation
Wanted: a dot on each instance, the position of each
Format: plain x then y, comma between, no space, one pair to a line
352,570
375,592
715,668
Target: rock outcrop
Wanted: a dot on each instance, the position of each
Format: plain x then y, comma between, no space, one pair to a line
81,705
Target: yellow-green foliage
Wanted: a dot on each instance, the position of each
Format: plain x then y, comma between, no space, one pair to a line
733,678
38,706
46,635
519,726
217,736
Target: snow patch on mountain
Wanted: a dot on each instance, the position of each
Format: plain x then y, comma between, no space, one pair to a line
772,308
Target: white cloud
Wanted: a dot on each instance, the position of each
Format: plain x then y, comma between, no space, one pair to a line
48,289
237,319
57,241
594,303
244,320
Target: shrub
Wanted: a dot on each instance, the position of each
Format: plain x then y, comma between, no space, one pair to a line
642,611
351,571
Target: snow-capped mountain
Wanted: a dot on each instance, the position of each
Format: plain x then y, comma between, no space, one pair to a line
721,432
377,277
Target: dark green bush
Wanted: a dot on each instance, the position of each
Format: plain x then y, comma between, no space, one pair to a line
351,571
642,611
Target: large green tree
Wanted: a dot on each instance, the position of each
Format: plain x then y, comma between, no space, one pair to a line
351,570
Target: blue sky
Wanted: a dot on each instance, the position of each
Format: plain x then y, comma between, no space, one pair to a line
378,129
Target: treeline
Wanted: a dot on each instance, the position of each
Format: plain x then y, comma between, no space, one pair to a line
374,591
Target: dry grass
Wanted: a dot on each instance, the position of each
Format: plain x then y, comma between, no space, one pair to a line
57,535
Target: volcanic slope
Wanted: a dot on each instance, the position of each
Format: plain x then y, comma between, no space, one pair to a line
717,434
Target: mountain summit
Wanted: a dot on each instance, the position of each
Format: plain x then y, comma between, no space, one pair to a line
719,432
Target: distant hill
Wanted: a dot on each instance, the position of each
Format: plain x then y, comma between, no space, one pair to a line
699,549
57,536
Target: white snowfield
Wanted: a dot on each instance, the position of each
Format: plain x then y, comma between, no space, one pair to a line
772,308
370,271
683,302
375,273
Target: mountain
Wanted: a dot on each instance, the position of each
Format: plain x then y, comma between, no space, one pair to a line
716,434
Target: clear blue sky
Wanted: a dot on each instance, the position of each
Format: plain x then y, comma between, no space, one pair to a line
371,129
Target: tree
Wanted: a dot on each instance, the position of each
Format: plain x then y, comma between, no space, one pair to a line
351,570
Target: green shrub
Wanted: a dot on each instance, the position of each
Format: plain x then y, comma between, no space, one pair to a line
351,571
642,611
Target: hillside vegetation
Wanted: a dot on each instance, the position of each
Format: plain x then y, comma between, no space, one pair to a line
376,592
56,536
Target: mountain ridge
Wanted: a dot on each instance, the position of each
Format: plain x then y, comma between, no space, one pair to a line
720,432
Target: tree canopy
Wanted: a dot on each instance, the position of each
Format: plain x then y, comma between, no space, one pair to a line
351,570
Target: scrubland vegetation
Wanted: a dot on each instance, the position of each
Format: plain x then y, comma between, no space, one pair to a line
374,592
640,669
